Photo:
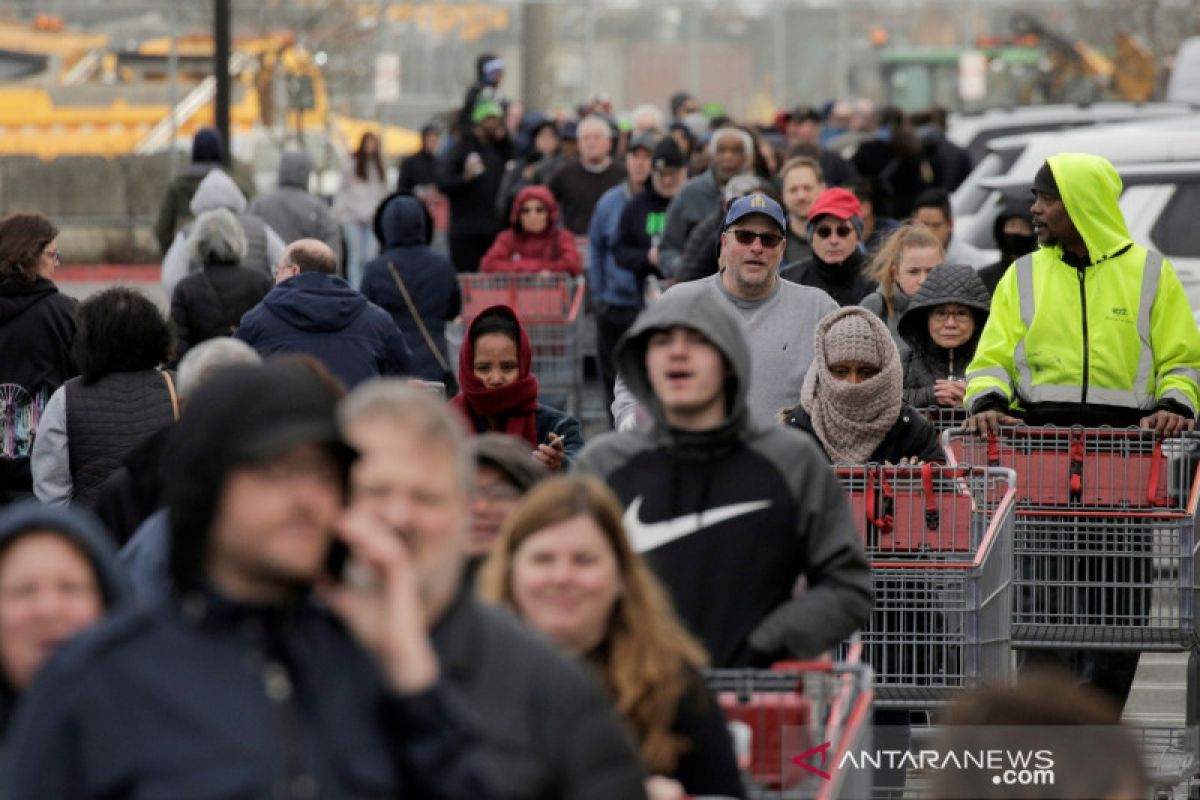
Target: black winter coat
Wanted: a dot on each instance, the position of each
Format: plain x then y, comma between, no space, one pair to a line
37,329
844,282
473,202
924,361
912,436
211,302
429,277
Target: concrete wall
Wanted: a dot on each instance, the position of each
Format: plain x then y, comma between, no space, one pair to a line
105,208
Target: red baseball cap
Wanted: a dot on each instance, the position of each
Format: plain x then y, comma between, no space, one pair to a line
837,201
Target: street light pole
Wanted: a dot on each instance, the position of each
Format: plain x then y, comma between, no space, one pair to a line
221,47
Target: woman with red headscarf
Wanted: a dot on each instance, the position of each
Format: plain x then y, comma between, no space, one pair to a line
498,392
534,242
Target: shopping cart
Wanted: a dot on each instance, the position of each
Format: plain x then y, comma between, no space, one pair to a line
549,309
1103,538
944,418
793,724
939,540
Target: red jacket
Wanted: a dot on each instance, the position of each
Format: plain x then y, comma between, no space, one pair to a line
552,250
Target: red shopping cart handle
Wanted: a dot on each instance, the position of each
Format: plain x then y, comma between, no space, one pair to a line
811,665
932,516
1153,494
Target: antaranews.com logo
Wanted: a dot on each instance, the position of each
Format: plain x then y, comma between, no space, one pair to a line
1043,762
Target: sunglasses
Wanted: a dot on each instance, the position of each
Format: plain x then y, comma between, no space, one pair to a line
825,231
745,237
533,210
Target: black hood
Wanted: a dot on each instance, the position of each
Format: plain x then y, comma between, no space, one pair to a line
1012,210
17,297
244,414
947,283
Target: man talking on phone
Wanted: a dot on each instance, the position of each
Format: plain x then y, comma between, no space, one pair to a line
239,682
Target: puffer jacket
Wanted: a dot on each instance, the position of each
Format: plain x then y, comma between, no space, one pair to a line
211,302
428,276
516,250
924,361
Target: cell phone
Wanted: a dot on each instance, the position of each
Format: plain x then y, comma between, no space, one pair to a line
336,559
436,388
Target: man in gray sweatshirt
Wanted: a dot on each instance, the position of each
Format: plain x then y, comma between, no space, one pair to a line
778,317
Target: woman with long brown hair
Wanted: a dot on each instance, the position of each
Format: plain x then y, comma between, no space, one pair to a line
564,564
364,186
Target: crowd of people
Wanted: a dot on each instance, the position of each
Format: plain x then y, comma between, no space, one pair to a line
334,562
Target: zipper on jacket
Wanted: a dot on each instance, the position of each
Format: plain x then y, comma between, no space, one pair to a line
1083,305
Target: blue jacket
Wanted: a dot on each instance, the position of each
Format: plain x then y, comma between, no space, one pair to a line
206,698
611,285
324,316
550,420
428,275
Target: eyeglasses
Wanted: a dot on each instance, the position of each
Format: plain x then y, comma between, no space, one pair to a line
745,237
53,255
825,231
943,314
533,210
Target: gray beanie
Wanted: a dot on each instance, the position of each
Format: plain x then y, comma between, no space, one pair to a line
511,456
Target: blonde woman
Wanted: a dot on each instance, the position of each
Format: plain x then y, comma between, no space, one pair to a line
902,264
563,563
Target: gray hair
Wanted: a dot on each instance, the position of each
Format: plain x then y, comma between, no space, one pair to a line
216,237
403,405
208,358
652,115
746,139
592,121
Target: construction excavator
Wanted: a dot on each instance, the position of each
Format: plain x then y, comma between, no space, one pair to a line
1074,71
68,93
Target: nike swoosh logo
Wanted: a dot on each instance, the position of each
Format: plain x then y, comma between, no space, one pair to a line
647,536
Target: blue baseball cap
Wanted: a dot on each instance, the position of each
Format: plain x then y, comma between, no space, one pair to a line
756,203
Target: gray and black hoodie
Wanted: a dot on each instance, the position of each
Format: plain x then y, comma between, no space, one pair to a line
729,518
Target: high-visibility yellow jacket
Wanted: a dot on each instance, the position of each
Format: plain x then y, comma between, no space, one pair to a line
1119,332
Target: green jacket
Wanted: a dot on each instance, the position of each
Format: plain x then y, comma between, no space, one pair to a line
1117,332
174,212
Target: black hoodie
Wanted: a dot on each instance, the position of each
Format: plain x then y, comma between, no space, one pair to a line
37,328
730,517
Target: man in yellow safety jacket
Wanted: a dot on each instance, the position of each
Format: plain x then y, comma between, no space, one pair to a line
1089,329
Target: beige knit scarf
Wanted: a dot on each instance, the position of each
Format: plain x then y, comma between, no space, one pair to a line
852,419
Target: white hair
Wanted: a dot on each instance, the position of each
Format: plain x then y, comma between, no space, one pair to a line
745,138
208,358
216,236
652,116
592,121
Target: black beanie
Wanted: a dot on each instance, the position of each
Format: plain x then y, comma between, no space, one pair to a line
207,146
1044,181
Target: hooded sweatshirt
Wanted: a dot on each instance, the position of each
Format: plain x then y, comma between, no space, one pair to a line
729,518
1012,246
291,211
323,316
37,329
428,275
1096,346
264,248
924,361
82,530
518,251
